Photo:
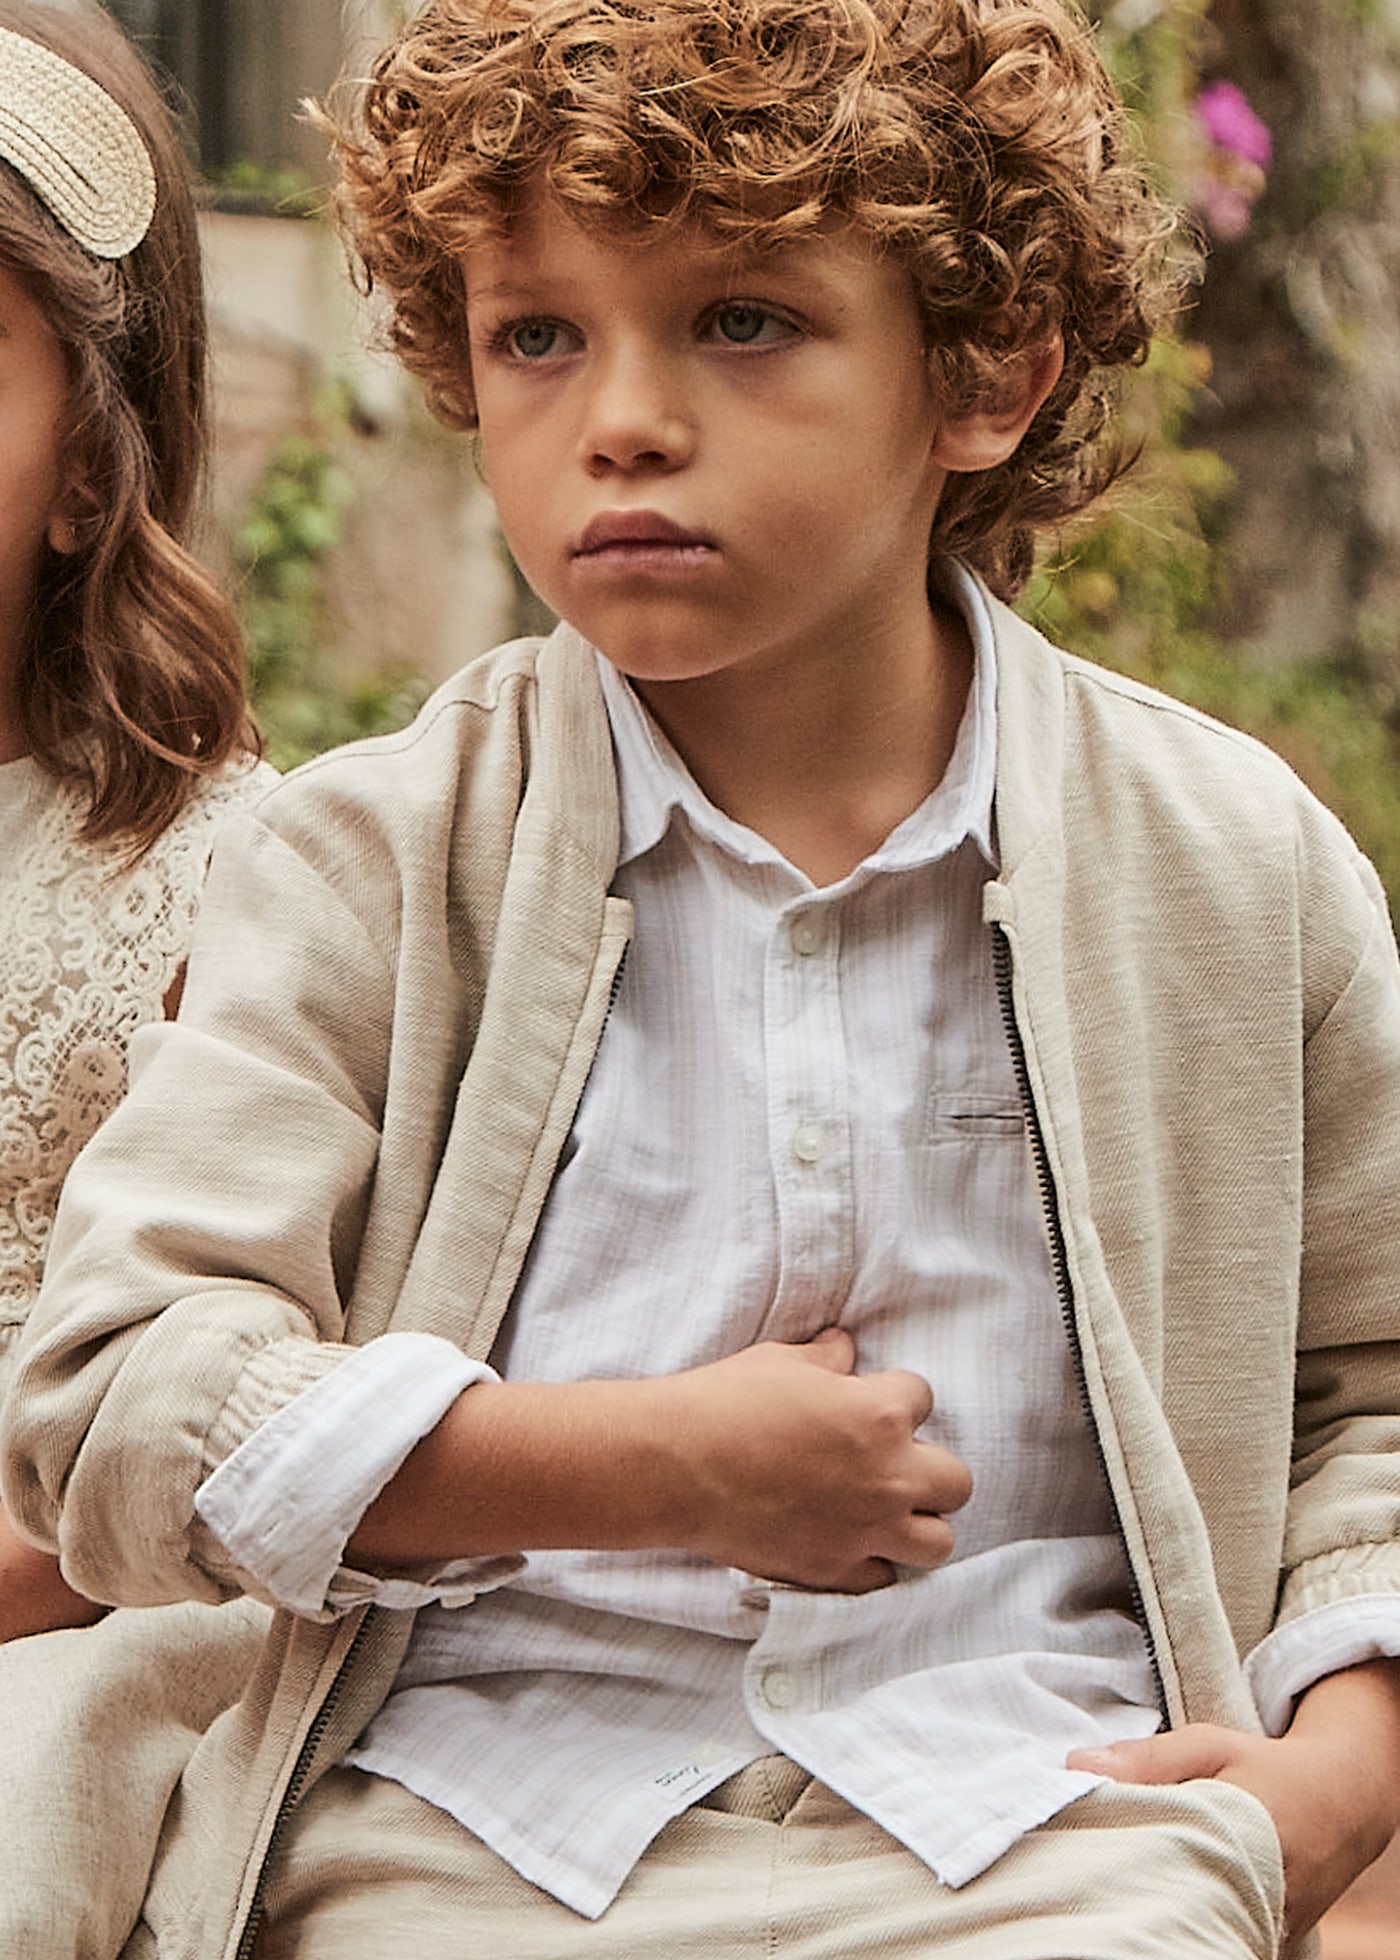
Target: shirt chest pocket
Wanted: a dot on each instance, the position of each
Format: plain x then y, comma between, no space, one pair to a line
960,1115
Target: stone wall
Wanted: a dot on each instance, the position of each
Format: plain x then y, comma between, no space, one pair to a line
421,580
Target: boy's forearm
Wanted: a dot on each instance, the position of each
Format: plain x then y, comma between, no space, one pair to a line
515,1465
1336,1801
1357,1711
778,1460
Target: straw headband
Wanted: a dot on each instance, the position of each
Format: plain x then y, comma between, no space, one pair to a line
76,147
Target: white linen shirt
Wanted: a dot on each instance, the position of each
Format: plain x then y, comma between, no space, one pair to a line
803,1110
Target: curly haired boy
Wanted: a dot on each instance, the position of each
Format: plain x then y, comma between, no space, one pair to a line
780,1246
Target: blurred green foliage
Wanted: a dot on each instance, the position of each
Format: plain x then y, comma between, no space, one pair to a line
1141,586
304,700
1136,594
263,189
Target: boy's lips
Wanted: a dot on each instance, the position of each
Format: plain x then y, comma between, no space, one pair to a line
631,535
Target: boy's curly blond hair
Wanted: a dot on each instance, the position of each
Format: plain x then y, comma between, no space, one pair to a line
978,140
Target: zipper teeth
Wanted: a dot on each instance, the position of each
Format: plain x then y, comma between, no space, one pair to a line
294,1786
1059,1259
615,984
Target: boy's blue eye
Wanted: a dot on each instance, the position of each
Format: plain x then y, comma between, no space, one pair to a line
532,340
743,325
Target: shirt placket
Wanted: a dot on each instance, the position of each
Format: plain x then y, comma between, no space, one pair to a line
809,1118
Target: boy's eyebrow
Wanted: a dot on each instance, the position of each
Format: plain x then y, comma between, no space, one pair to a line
502,289
730,268
541,286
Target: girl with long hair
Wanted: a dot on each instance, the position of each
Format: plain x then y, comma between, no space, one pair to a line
125,740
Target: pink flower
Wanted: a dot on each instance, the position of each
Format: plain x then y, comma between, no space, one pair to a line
1223,112
1227,208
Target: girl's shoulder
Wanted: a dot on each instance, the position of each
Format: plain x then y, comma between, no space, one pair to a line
50,860
179,857
236,786
50,863
47,815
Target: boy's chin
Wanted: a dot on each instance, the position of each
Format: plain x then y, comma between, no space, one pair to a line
656,659
646,668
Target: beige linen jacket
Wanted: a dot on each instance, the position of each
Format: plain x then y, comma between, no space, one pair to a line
401,973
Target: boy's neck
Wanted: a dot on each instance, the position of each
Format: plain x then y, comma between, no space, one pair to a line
826,771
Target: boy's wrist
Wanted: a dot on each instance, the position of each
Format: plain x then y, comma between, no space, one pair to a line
1356,1715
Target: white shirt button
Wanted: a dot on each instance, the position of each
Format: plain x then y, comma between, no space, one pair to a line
777,1687
804,936
808,1143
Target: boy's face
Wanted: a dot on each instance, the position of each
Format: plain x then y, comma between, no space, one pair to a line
703,456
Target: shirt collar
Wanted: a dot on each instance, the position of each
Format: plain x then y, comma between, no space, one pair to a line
654,784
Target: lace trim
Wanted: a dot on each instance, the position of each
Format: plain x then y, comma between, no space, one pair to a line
88,951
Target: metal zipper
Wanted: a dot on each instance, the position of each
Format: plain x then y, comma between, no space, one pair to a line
294,1786
1059,1259
614,989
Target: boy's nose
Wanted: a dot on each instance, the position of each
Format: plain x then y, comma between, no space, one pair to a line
636,419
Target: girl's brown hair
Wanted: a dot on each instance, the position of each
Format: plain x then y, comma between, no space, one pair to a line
979,140
131,681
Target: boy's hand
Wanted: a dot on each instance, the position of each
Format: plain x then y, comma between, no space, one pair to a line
34,1596
1331,1784
800,1470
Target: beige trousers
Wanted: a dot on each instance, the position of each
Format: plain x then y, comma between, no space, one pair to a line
775,1867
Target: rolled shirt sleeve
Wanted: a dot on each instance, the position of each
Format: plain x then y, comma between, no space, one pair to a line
286,1502
1324,1641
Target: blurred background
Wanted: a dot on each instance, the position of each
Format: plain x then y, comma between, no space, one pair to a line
1251,564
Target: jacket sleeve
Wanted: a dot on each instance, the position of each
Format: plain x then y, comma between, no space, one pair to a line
1343,1531
207,1236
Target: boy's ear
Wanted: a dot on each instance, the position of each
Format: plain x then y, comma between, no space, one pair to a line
979,438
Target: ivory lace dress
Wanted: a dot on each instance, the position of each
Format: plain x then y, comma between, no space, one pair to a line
88,949
89,946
